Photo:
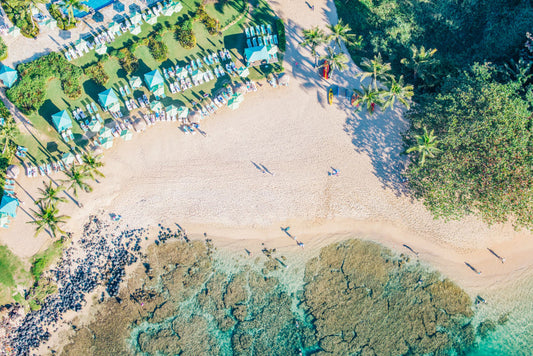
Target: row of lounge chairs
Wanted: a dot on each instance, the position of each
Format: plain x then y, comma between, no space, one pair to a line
9,186
48,168
107,35
268,40
67,135
259,30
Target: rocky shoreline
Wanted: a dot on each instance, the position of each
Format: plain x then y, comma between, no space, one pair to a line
98,258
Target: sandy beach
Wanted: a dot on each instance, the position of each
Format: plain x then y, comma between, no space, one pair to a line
211,184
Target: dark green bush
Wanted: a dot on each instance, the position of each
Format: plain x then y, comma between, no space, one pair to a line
211,24
127,60
280,30
158,49
186,36
29,92
97,73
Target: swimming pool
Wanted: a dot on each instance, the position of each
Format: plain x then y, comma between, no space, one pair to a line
93,4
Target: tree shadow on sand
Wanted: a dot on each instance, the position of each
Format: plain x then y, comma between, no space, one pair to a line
378,135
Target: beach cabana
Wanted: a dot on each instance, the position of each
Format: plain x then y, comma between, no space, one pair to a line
101,49
243,72
68,158
154,80
106,142
136,19
126,135
8,75
50,23
81,46
13,31
181,73
197,76
171,110
183,112
135,82
136,30
8,208
176,6
62,121
108,99
94,125
235,101
105,132
114,28
156,106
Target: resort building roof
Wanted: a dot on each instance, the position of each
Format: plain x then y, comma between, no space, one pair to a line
8,75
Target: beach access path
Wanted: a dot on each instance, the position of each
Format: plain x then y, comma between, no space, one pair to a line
210,184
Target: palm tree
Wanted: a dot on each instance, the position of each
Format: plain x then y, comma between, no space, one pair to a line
335,60
375,68
420,61
340,33
91,164
77,180
398,91
313,38
368,96
426,146
47,217
50,195
70,5
29,5
8,132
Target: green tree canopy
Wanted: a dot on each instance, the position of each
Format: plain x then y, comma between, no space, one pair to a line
486,137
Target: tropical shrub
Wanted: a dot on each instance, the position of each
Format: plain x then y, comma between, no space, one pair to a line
280,30
3,50
62,20
185,35
127,60
29,92
157,48
97,73
211,24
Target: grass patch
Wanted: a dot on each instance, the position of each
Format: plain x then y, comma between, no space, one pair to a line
42,260
12,273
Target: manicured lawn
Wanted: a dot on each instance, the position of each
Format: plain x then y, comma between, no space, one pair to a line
50,146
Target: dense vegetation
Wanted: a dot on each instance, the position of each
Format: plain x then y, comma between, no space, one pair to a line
212,25
157,48
29,93
19,13
470,140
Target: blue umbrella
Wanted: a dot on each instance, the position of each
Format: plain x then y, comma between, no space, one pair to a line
153,79
62,121
8,75
8,206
